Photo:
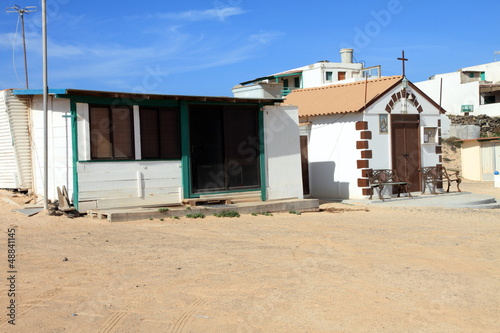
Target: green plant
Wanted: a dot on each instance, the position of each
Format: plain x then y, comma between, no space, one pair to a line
195,215
188,208
162,220
175,217
264,213
151,219
295,212
227,213
163,210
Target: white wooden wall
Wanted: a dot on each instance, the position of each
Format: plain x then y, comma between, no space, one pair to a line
60,156
128,184
103,184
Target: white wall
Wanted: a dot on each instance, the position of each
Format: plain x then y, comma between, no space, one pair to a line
491,70
282,149
333,156
258,90
128,184
456,94
60,165
314,75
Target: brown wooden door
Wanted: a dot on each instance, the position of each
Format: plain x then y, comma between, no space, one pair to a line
305,164
406,148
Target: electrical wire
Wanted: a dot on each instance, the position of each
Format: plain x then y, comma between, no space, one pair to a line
14,50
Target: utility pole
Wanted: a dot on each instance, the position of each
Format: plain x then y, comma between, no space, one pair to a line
22,11
45,108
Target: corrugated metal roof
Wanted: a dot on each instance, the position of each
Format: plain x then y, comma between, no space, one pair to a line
15,146
340,98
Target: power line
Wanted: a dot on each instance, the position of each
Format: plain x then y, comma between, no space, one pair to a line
22,11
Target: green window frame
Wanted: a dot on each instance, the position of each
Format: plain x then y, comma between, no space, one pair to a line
111,132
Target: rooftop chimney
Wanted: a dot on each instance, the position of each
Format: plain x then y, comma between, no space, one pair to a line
346,56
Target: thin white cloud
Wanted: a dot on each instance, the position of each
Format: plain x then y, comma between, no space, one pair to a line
219,14
264,37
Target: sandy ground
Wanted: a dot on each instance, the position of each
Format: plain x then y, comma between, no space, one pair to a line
451,157
354,270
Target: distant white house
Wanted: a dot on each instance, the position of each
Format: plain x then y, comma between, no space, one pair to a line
318,74
113,149
469,91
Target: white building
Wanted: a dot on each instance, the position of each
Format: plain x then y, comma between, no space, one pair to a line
349,128
469,91
112,149
318,74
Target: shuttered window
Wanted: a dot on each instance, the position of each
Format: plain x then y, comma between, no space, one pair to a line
111,132
160,137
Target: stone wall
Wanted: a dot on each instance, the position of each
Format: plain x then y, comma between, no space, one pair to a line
489,126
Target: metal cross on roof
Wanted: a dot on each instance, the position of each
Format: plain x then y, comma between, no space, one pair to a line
403,59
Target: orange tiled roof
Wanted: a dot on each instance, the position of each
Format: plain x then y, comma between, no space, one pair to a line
340,98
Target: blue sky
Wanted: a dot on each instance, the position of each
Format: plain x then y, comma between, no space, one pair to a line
207,47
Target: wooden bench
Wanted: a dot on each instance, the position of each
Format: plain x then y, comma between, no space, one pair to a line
383,177
438,174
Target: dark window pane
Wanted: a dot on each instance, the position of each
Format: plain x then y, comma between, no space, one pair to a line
111,132
207,155
242,146
169,133
224,148
150,146
160,133
122,133
100,133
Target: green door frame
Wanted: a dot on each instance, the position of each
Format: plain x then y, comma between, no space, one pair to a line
186,160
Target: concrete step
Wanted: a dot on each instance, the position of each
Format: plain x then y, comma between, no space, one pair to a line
447,200
122,215
493,205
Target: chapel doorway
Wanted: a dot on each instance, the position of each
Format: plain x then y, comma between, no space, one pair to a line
406,147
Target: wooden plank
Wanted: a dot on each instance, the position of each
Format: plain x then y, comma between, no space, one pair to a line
123,175
128,193
105,185
137,202
112,166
